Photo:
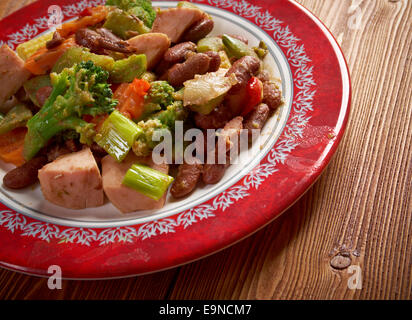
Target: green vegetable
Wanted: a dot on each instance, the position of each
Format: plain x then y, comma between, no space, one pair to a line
209,106
15,118
210,44
163,120
142,9
117,135
150,182
75,55
35,84
77,91
120,71
121,23
236,48
161,92
126,70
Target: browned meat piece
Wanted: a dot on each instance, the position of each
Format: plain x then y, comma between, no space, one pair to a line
257,118
175,21
181,72
55,41
25,175
186,180
272,95
179,52
153,45
199,30
215,61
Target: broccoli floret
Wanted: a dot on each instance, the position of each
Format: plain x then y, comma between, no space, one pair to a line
77,91
161,92
163,120
140,8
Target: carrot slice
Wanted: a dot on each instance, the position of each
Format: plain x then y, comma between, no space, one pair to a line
131,98
11,146
43,60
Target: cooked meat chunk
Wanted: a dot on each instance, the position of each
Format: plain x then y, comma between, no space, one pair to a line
153,45
122,197
175,21
73,181
97,42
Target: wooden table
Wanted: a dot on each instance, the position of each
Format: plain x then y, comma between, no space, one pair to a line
357,217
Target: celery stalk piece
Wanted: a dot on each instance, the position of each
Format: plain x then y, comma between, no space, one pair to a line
117,135
126,70
15,118
150,182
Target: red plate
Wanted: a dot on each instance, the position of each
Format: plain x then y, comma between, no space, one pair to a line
298,144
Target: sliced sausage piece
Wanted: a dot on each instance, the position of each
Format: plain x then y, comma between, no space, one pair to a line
257,118
213,173
199,30
25,175
153,45
272,95
43,94
181,72
73,181
175,21
12,73
179,52
124,198
186,180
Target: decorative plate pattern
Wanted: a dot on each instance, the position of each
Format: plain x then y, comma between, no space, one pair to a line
242,194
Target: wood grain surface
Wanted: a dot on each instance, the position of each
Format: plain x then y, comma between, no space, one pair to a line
357,215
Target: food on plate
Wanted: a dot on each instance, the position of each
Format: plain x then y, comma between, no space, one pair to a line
85,109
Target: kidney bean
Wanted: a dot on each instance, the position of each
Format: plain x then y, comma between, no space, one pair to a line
179,52
187,178
272,95
214,120
25,175
257,118
197,64
199,30
213,173
214,62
